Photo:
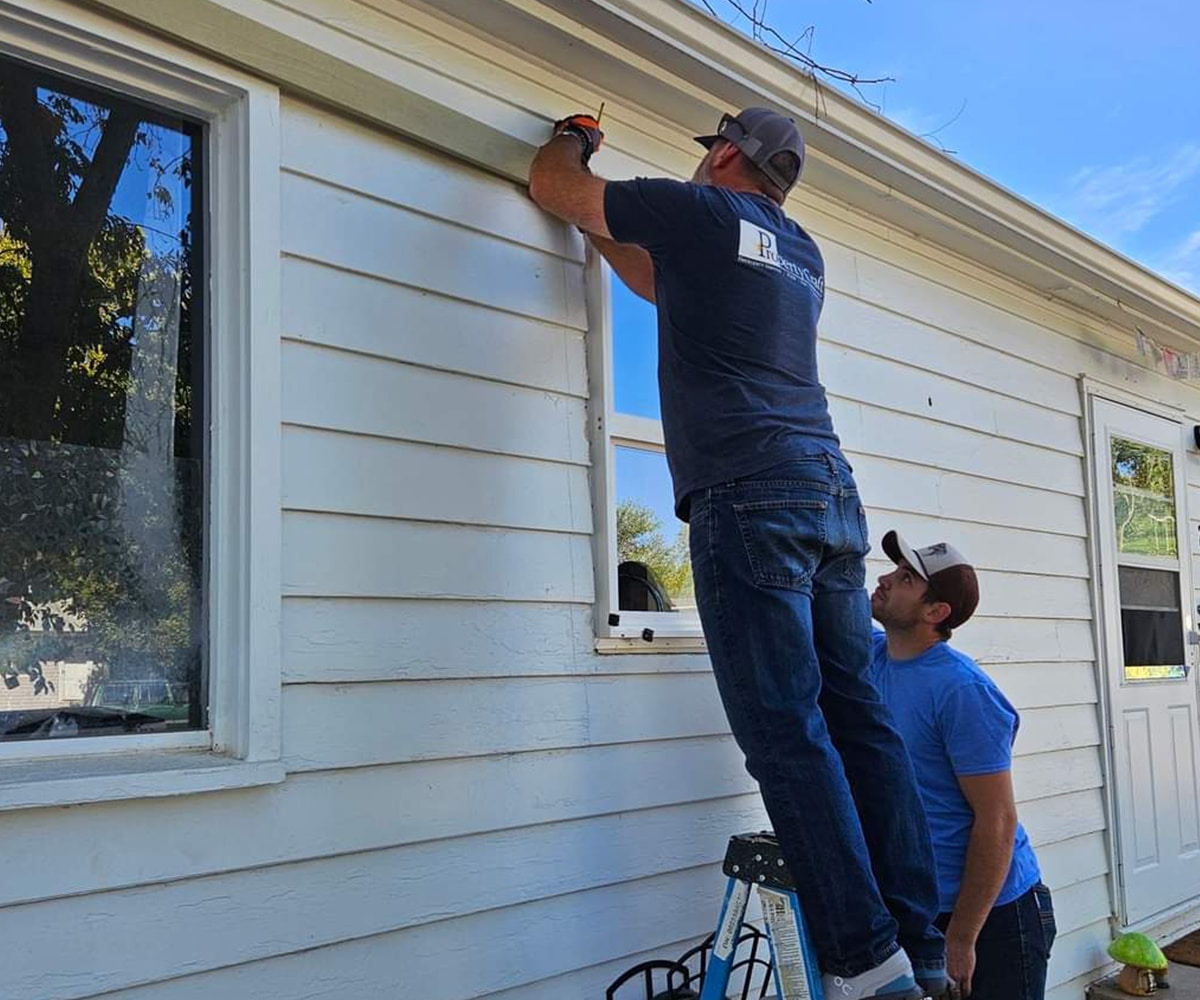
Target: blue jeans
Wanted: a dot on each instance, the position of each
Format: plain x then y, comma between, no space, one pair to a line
1013,948
777,560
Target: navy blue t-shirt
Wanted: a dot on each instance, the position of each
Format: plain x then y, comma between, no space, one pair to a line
955,723
739,288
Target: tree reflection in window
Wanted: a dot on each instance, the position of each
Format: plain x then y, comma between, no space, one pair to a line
654,571
1144,499
101,413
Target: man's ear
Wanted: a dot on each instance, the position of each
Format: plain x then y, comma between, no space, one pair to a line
724,153
937,612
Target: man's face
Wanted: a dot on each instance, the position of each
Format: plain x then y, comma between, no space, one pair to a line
899,600
703,174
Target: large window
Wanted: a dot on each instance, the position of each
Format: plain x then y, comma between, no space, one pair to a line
1144,510
645,577
102,413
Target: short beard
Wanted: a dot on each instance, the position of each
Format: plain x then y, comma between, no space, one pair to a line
895,622
703,173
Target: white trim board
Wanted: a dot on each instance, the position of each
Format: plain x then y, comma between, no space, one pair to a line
242,268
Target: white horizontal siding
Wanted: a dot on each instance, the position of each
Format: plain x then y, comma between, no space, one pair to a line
438,331
329,726
367,236
952,496
247,916
867,429
311,816
926,391
441,684
332,472
339,640
475,955
361,394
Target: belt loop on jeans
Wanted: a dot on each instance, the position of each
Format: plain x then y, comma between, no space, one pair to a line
833,469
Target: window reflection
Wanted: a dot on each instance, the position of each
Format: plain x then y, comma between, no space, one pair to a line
1144,499
101,413
654,570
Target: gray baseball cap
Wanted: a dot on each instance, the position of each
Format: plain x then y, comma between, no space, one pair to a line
760,133
951,578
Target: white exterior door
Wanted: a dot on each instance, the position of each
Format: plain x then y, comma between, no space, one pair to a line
1148,627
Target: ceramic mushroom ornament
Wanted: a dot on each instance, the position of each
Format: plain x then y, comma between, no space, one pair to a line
1145,966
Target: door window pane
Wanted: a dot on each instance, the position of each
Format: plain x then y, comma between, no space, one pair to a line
654,571
1144,499
1151,624
101,413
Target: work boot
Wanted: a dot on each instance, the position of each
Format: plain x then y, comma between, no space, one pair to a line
890,980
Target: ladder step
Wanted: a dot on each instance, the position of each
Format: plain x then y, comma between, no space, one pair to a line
756,858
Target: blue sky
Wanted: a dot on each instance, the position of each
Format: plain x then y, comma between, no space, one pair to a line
1089,110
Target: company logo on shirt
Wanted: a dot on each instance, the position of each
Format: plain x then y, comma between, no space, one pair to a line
759,247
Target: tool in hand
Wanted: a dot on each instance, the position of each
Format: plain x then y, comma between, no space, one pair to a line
585,128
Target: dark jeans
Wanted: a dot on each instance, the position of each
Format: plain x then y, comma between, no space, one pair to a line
1013,948
779,573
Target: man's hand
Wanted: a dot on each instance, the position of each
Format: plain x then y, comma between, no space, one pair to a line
960,960
559,180
586,129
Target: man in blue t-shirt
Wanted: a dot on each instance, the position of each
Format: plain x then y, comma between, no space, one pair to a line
777,532
959,729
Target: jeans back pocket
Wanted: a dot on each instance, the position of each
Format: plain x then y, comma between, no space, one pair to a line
783,538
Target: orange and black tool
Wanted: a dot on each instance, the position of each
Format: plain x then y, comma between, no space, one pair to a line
585,128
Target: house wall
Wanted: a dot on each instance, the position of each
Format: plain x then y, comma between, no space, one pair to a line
478,804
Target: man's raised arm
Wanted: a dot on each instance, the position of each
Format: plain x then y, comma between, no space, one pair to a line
561,183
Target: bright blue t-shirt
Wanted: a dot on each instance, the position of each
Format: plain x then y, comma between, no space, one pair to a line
955,722
739,288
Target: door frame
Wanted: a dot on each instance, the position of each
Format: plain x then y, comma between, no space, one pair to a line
1090,389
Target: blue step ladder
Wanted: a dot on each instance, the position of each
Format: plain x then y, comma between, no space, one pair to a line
754,861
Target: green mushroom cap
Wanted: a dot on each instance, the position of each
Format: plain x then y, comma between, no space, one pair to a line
1137,949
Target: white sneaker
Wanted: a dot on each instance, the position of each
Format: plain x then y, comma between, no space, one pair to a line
891,980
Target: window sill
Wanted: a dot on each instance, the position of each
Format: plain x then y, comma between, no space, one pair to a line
65,781
608,645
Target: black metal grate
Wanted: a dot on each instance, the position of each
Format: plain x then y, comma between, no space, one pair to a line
683,978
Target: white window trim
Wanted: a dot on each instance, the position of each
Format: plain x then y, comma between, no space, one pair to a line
243,745
673,632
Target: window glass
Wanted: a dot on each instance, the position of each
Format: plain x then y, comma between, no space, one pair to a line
1151,624
102,444
1144,499
635,354
654,571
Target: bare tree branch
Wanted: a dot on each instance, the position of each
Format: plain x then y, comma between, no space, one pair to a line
771,39
933,133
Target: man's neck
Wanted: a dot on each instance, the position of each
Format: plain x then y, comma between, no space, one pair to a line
908,644
744,186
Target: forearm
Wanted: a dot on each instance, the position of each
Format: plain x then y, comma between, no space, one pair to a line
632,264
989,856
560,183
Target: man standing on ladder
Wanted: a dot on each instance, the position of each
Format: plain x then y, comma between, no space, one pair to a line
778,535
